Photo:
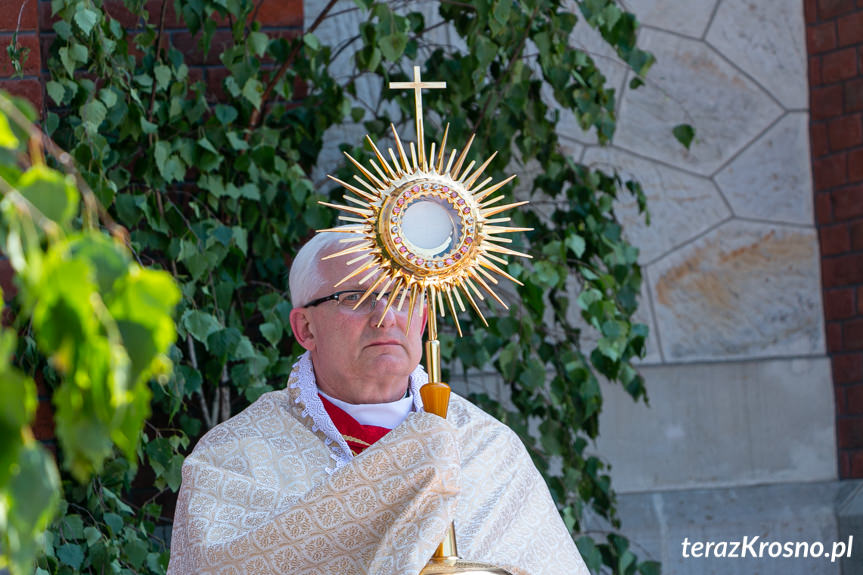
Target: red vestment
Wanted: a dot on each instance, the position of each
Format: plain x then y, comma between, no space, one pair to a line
355,434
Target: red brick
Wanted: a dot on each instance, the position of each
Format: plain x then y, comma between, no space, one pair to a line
118,11
27,10
810,10
854,399
30,64
280,13
172,20
46,16
215,84
43,425
27,88
831,8
847,368
852,334
818,135
838,304
855,166
815,71
46,40
856,235
845,132
834,240
839,65
188,44
823,208
829,172
821,37
827,102
848,203
850,432
855,466
844,465
834,337
841,271
850,29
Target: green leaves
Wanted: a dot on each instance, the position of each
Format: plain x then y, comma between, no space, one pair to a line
214,186
684,133
53,195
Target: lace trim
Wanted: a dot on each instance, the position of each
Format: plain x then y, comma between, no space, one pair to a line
302,380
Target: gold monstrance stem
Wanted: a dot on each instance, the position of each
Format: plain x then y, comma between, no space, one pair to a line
435,396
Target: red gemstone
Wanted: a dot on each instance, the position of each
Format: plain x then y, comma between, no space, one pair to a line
453,194
445,189
397,240
464,249
416,188
409,256
457,256
461,201
468,240
400,201
448,261
466,211
403,249
396,210
420,261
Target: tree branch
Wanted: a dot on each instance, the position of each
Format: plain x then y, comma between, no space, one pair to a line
256,115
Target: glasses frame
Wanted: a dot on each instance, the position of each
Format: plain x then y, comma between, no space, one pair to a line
372,299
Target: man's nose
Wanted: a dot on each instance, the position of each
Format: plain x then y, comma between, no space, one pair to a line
389,318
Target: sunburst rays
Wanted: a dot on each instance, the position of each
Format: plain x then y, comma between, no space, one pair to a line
383,252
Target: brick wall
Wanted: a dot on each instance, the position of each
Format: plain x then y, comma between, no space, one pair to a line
835,46
33,23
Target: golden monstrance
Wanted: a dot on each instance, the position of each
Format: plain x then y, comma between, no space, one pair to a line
424,227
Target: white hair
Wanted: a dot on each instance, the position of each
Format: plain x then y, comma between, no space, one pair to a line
305,277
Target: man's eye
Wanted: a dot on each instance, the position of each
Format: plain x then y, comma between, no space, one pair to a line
351,297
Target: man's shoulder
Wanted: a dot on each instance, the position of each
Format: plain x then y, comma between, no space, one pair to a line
463,414
270,410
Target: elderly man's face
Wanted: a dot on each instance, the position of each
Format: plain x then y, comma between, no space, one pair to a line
354,359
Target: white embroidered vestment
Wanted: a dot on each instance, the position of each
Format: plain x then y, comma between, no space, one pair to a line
274,491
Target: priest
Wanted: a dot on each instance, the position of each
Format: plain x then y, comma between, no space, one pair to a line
343,472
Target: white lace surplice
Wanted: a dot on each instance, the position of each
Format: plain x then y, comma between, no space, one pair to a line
276,490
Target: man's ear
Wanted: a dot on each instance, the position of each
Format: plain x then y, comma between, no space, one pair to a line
301,325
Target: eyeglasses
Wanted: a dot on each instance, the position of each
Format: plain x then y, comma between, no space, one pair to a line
347,299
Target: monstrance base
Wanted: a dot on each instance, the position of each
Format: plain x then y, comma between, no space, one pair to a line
454,565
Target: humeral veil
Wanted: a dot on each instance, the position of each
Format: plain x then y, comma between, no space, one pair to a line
276,489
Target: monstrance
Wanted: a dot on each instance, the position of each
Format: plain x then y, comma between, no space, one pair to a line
423,230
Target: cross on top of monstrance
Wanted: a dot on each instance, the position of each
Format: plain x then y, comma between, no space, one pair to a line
422,230
417,85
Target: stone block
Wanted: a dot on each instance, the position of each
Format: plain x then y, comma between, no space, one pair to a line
771,179
658,523
745,290
691,83
689,18
682,206
771,49
721,424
